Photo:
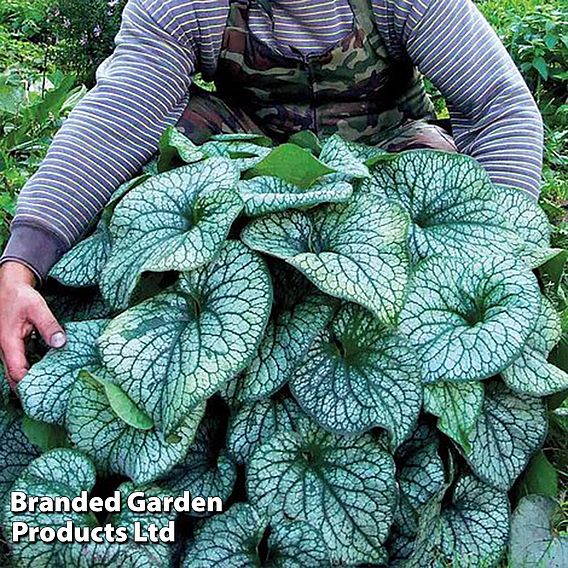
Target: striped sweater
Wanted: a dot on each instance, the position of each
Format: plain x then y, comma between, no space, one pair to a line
143,87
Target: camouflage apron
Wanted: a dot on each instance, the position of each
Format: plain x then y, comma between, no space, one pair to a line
355,89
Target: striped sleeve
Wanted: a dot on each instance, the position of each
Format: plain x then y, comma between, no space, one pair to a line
141,89
494,117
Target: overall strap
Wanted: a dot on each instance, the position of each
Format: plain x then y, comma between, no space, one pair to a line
363,15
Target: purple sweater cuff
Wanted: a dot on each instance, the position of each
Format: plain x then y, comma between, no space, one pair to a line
34,247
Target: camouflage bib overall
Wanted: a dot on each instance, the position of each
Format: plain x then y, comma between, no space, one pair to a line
355,89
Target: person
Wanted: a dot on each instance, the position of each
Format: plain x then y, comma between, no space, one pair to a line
349,66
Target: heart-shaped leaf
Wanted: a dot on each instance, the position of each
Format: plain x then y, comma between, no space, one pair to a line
206,470
534,542
292,164
82,266
356,252
174,221
45,389
288,337
450,199
531,373
457,406
173,351
263,195
358,376
61,472
118,447
344,487
338,155
511,428
469,319
469,528
257,422
238,538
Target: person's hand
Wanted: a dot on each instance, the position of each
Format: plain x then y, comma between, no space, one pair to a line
22,309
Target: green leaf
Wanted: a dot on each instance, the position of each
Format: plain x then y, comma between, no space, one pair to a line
468,529
457,406
450,200
243,155
173,351
308,140
257,422
82,266
356,251
420,476
531,373
121,403
539,478
117,447
337,155
288,337
263,194
344,487
510,430
61,472
238,539
129,554
534,542
174,221
469,319
206,470
358,376
45,389
292,164
16,453
540,64
44,436
172,144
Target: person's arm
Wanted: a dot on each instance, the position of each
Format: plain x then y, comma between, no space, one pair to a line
494,117
140,90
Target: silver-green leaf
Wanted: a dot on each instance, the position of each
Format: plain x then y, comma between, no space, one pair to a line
343,486
173,351
531,373
469,318
356,251
236,539
45,389
450,199
470,530
288,337
117,447
358,376
511,428
174,221
265,194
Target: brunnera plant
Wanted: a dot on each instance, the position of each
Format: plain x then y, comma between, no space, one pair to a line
348,347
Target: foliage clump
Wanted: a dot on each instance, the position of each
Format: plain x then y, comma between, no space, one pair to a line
349,347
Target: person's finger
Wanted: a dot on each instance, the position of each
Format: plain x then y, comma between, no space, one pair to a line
46,324
14,357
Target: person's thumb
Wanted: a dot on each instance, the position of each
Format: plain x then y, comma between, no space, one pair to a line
46,324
